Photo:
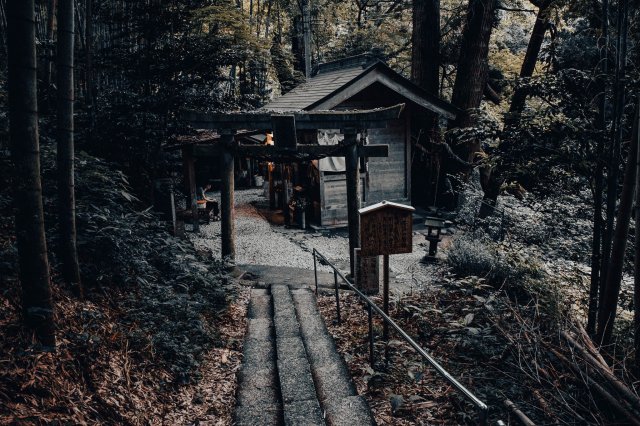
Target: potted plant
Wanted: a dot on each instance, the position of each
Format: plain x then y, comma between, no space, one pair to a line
298,206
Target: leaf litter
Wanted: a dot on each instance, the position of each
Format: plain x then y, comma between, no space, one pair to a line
156,341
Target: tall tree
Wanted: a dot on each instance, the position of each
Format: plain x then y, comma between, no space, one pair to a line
25,154
471,81
614,158
473,68
607,309
66,184
598,178
425,53
531,56
88,65
51,11
636,284
297,42
425,66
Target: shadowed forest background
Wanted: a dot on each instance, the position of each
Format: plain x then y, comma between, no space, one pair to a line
106,317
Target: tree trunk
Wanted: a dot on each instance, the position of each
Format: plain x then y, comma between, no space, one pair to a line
530,58
267,20
49,65
616,139
306,37
596,249
607,311
601,123
425,54
425,67
66,184
89,100
636,278
25,154
3,28
473,69
491,182
297,43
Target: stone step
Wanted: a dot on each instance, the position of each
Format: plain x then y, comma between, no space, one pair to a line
291,372
300,401
260,307
258,396
303,413
334,387
350,411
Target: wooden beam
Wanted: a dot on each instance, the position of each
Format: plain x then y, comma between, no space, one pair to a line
284,131
227,210
358,119
373,150
311,150
353,194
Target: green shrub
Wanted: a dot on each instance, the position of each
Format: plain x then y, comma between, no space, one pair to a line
478,255
468,256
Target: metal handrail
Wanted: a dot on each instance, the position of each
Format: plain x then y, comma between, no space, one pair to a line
481,406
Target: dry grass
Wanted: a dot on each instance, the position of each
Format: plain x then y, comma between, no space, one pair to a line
95,377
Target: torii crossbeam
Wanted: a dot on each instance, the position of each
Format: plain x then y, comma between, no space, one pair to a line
285,127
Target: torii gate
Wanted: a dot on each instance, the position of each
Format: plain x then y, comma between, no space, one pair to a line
285,127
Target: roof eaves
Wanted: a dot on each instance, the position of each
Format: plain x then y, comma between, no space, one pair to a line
423,93
383,205
339,89
380,65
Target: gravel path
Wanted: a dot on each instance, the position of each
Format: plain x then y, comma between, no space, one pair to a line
260,243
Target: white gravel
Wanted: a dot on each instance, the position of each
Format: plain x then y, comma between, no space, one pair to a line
260,243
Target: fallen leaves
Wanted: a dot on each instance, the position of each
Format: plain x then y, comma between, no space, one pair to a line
98,378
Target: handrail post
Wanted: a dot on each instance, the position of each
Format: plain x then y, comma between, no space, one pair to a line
335,279
315,270
371,355
482,416
385,296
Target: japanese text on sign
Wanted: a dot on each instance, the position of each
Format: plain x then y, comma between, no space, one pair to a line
386,231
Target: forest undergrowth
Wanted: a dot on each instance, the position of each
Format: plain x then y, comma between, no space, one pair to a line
505,318
157,317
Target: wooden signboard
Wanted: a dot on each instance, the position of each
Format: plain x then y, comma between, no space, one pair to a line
367,274
386,228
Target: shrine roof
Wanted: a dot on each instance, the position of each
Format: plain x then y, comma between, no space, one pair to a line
338,81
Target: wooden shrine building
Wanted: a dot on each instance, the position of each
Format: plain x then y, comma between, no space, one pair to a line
286,129
361,83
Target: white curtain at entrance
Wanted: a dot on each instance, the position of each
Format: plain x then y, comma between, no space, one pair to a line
331,164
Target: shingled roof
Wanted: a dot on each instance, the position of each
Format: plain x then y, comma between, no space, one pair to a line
337,81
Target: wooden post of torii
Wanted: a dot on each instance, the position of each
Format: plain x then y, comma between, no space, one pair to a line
285,128
227,201
352,171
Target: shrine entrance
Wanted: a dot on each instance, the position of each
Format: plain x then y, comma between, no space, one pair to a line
286,129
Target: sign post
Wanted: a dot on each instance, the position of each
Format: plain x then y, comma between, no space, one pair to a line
367,272
386,228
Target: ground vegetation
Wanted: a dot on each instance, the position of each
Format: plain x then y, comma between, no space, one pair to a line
94,287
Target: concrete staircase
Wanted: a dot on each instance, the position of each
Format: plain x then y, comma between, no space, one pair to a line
291,373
